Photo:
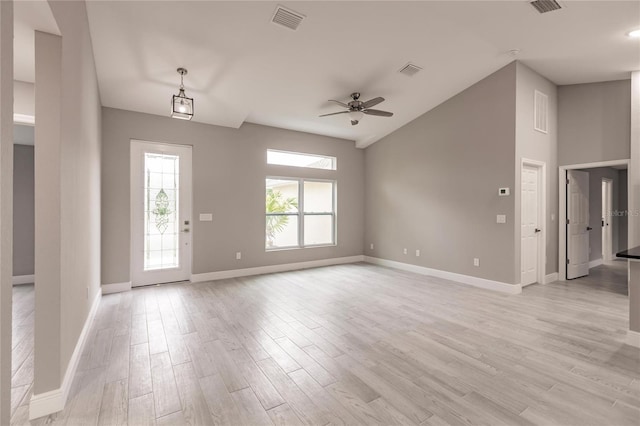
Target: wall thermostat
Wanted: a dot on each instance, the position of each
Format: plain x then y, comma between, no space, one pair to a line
503,192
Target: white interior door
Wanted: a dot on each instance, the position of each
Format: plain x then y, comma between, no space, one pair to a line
160,213
530,224
607,206
578,224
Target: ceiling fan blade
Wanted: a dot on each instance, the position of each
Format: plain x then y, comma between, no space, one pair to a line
372,102
378,112
334,113
339,103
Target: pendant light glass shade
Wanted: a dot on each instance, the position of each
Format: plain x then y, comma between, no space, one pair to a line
181,105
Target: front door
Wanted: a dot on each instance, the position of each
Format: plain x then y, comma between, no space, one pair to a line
160,213
578,224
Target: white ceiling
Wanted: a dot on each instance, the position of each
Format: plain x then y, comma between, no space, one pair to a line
29,16
244,68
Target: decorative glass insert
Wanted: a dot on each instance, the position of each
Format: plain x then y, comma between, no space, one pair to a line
161,211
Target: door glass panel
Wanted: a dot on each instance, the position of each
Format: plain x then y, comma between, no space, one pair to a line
161,201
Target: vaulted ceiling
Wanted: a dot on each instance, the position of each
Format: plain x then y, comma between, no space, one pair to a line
242,67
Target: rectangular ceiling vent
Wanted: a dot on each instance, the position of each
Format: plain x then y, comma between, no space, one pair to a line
410,70
287,18
540,112
544,6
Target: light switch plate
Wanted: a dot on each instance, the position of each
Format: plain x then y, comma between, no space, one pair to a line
206,217
501,218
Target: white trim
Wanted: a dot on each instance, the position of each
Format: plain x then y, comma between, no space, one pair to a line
464,279
53,401
116,287
23,279
234,273
562,206
594,263
542,215
551,278
29,120
633,338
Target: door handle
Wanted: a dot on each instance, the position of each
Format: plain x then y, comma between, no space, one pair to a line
589,228
537,230
185,230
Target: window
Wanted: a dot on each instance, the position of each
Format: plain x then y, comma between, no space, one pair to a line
296,159
299,213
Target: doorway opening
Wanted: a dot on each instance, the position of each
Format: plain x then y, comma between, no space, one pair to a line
593,219
23,309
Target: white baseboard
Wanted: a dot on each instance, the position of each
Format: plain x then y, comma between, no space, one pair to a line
234,273
595,263
116,287
633,338
551,278
464,279
53,401
23,279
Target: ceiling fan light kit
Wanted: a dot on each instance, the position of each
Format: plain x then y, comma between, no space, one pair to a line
357,109
181,105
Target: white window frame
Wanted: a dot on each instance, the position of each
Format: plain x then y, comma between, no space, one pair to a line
334,160
301,213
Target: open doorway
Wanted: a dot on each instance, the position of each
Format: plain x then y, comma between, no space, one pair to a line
593,223
22,346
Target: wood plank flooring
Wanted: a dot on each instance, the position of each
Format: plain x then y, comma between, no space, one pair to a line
22,346
355,344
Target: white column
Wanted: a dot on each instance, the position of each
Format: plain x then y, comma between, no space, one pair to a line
634,207
47,368
6,204
634,168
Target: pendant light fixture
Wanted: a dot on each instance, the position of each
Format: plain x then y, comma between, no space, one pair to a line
181,106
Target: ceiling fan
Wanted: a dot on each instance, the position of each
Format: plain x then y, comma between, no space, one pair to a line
357,109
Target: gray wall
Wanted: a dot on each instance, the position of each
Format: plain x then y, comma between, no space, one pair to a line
73,114
23,98
229,168
23,210
619,199
433,184
534,145
594,122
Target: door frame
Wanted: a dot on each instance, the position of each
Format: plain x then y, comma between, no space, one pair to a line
542,216
607,256
562,206
131,203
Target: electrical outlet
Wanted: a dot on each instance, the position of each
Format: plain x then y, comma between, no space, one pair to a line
371,246
404,251
476,261
238,255
417,253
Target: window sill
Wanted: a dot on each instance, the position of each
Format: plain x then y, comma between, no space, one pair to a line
299,248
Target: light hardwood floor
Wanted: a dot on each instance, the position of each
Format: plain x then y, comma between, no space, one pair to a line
356,344
22,345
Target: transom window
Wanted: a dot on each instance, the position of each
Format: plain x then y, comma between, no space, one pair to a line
299,213
298,159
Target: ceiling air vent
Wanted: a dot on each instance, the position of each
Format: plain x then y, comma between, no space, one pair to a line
287,18
410,70
544,6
